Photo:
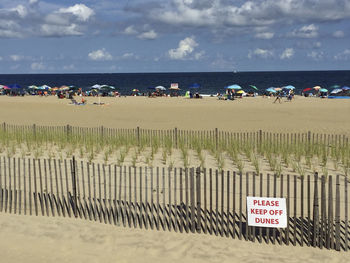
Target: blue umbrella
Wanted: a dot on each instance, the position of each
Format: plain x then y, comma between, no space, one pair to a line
323,90
194,86
345,88
289,87
234,86
271,90
15,86
336,91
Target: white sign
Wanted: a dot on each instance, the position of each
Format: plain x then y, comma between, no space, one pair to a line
267,212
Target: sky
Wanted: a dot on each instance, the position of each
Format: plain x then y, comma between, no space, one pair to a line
107,36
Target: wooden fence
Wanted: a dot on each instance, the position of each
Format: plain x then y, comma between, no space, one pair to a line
181,200
177,136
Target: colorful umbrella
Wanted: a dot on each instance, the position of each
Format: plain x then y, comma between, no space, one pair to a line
289,87
135,90
278,89
15,86
160,88
307,89
323,90
272,89
345,88
235,87
253,87
336,91
4,87
316,87
240,92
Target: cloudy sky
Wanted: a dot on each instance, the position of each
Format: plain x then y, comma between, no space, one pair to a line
105,36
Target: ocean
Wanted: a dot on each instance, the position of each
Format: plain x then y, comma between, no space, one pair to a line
210,82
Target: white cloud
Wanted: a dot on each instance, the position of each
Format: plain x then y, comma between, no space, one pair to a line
339,34
149,35
21,10
60,30
287,53
185,48
31,2
316,55
345,55
16,57
129,56
100,55
130,30
37,66
199,55
217,13
265,35
81,11
309,31
261,53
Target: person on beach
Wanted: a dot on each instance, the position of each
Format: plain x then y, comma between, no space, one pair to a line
278,97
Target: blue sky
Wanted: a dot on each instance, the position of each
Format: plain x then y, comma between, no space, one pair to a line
173,36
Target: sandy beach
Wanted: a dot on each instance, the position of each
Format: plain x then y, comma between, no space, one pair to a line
247,114
42,239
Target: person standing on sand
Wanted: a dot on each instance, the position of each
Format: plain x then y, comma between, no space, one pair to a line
278,97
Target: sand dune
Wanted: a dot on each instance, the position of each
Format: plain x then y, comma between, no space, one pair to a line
42,239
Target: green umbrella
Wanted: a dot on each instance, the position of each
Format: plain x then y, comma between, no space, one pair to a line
253,87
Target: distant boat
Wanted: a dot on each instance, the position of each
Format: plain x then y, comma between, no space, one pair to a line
235,71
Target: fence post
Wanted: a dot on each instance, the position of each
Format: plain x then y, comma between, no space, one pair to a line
260,138
67,130
4,126
216,138
315,212
34,131
175,137
337,215
102,131
74,185
138,135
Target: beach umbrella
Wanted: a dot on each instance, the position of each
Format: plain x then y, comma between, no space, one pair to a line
135,90
317,88
160,88
4,87
64,87
96,86
272,89
335,91
194,86
253,87
15,86
323,90
44,87
32,87
278,89
234,86
240,92
334,87
289,87
307,89
345,88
